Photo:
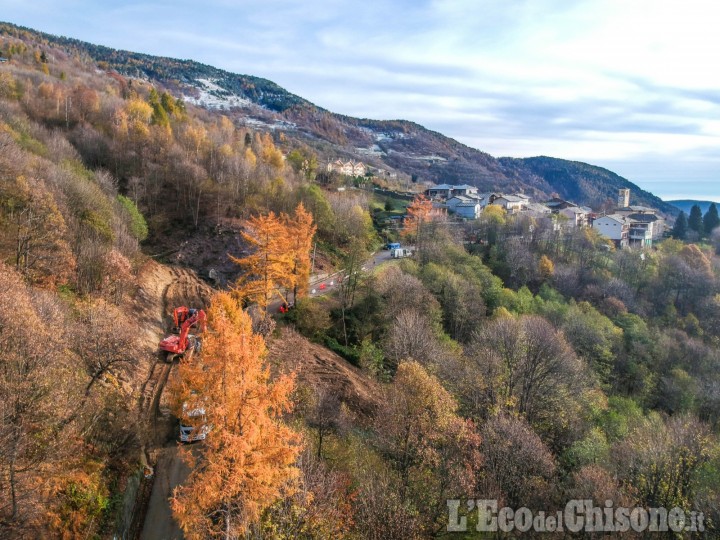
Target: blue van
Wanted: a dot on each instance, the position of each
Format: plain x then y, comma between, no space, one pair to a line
393,245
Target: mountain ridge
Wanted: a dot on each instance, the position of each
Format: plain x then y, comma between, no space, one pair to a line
686,204
400,145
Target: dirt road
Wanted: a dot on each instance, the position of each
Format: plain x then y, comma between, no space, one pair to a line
162,288
170,471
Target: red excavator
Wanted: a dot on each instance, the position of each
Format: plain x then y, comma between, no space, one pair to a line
180,315
184,319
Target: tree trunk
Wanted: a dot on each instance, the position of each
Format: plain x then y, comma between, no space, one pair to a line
227,522
320,442
13,482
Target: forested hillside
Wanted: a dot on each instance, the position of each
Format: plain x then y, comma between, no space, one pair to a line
509,358
406,147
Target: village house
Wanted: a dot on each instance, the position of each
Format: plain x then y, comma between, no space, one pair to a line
348,168
447,191
577,216
511,203
466,207
645,228
537,210
645,223
488,198
442,191
614,227
556,204
466,190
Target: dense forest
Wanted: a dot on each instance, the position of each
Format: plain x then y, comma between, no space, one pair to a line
510,358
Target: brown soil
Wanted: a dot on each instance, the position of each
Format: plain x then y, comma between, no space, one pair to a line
320,368
161,289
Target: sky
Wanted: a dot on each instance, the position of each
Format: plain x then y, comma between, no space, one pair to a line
630,85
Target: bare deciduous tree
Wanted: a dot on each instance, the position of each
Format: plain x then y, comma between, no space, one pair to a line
518,465
411,336
532,369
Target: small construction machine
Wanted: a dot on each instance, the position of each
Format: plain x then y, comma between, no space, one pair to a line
178,344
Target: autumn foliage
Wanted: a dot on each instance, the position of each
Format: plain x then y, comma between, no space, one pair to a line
418,212
279,258
247,460
302,231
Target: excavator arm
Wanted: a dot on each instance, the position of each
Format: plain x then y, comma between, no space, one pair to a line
180,315
177,344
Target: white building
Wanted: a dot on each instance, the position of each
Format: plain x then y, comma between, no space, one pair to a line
511,203
576,215
467,207
614,227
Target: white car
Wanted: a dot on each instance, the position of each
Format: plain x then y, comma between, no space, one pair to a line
199,429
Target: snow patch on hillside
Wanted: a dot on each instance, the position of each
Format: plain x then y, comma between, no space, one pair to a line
374,150
281,125
212,96
383,137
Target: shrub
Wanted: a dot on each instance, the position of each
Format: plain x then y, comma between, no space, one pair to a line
137,223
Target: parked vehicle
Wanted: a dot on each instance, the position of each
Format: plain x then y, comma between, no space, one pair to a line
399,253
193,424
393,245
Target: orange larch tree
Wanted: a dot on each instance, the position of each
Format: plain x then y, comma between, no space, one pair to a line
270,263
301,231
418,212
247,461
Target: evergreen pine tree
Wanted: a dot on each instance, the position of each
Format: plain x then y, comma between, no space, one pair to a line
680,228
695,221
711,220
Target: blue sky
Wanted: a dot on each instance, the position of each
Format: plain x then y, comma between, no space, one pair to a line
629,85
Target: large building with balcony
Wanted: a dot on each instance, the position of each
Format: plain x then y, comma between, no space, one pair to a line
631,226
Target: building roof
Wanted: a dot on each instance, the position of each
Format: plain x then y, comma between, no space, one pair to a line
464,186
643,218
511,198
464,198
442,186
615,217
575,210
557,201
641,209
537,207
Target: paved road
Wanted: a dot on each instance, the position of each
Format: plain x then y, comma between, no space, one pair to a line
325,286
321,287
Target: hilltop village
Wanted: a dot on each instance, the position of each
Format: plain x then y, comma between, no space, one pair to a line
626,225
